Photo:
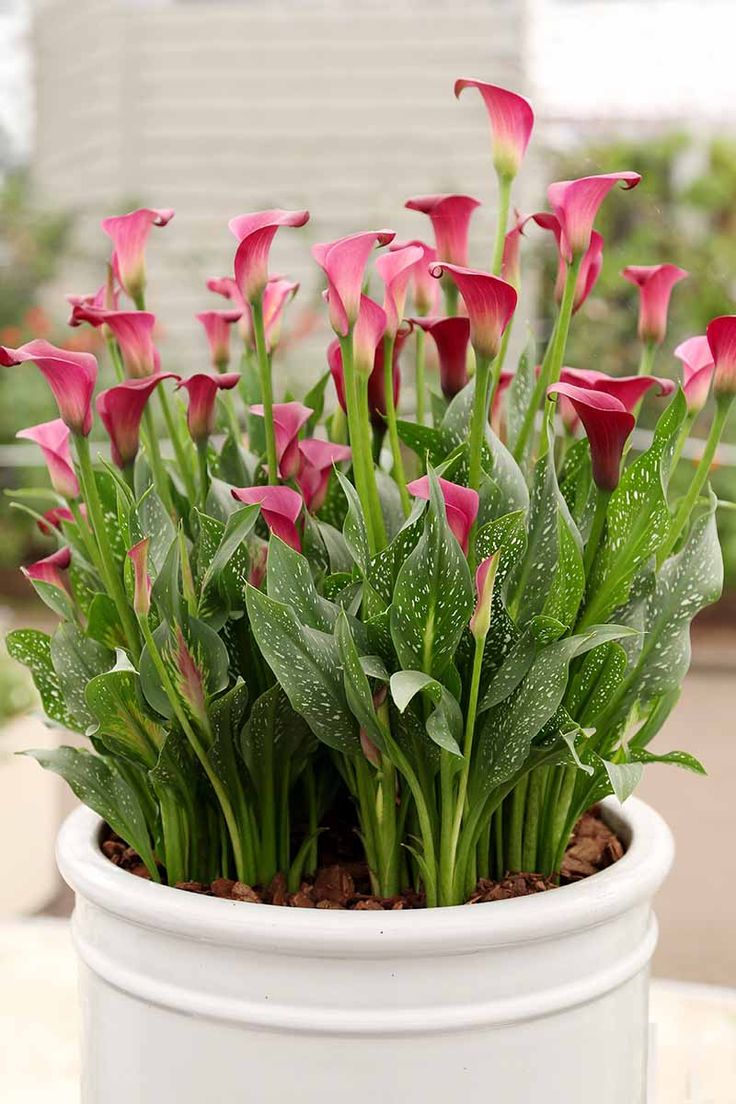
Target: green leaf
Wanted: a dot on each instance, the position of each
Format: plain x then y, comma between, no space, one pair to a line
315,400
275,734
507,533
238,527
577,486
115,701
338,553
384,567
151,519
103,622
354,528
390,500
423,440
539,632
32,648
624,777
289,581
445,724
357,688
210,656
510,491
55,598
677,758
77,659
520,392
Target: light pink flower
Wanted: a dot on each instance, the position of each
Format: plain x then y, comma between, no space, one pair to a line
368,335
288,419
655,283
698,370
133,331
451,336
607,424
512,119
576,203
255,233
590,266
202,390
51,570
490,303
343,262
216,324
461,504
138,554
450,217
53,440
318,460
71,377
425,290
129,235
396,269
280,507
721,334
278,293
121,409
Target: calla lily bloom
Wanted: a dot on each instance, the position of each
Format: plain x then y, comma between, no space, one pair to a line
451,336
53,440
343,263
450,217
490,303
280,507
278,293
106,297
227,287
629,390
216,324
318,460
510,261
288,419
255,233
71,377
576,203
202,389
425,290
53,518
396,269
655,283
133,331
138,554
512,120
51,570
590,266
121,409
368,335
485,577
376,381
697,371
129,235
496,415
461,505
607,424
721,334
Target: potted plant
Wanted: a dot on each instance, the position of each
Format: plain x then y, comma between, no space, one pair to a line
385,666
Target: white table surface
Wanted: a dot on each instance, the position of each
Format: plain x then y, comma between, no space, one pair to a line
694,1027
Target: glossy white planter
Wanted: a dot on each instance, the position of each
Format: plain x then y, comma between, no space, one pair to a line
189,999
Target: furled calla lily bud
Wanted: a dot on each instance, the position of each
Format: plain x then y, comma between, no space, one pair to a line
425,291
697,371
451,336
655,283
53,440
278,293
318,460
216,324
288,419
721,334
255,233
51,570
396,269
629,390
490,303
138,554
121,409
202,390
133,331
461,504
367,335
450,217
576,203
485,577
343,263
71,377
607,424
280,507
129,235
590,266
512,119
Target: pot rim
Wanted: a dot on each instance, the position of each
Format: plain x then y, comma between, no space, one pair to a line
629,882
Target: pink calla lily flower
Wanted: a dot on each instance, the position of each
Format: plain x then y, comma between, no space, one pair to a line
129,235
71,377
698,370
280,507
288,419
51,570
343,263
368,335
607,424
376,382
590,266
121,409
396,269
490,303
138,554
451,336
461,505
512,120
655,283
576,203
318,460
53,518
227,287
485,577
450,217
217,325
255,233
425,291
511,259
721,334
53,440
202,388
629,390
278,293
133,331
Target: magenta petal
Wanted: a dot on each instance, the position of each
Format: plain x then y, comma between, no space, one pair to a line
425,290
288,419
318,459
53,440
368,334
51,569
280,507
142,583
450,217
129,234
71,377
121,409
655,283
451,336
512,120
608,425
721,334
396,269
343,262
255,233
216,325
133,331
490,303
629,390
575,204
461,504
202,388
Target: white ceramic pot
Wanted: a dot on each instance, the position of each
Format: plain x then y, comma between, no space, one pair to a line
544,998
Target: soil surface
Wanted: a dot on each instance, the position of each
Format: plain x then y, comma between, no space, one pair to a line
346,885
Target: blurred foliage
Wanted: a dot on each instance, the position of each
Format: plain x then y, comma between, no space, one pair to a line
17,692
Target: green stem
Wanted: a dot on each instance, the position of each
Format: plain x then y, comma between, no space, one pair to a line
648,356
534,798
684,434
419,380
516,825
478,419
393,433
264,369
117,360
177,444
462,791
160,477
451,294
356,397
504,199
204,475
596,529
423,816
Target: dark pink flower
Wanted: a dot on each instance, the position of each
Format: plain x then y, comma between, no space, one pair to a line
368,334
590,266
280,507
288,419
396,269
504,382
697,371
655,283
576,203
129,234
202,390
461,504
121,409
629,390
278,293
216,324
490,303
376,381
450,217
451,336
318,460
255,233
425,290
53,440
512,119
138,554
51,570
53,518
721,334
485,577
133,331
343,262
71,377
607,424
